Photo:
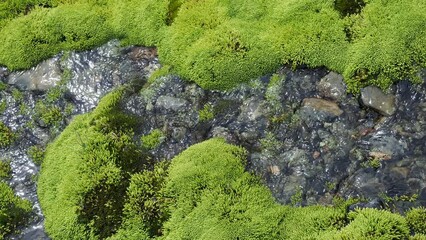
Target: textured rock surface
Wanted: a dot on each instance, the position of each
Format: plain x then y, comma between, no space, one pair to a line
375,98
297,143
332,86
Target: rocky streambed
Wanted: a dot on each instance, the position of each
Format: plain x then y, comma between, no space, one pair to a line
307,138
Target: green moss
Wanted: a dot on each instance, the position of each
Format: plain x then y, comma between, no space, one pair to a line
36,153
220,43
152,140
50,114
5,169
7,136
163,71
13,210
206,113
416,219
84,171
3,86
139,22
44,32
3,106
146,202
374,224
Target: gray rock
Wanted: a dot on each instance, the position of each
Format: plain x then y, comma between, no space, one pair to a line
319,109
170,103
332,86
374,98
41,77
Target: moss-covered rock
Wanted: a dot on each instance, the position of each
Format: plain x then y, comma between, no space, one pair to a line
86,172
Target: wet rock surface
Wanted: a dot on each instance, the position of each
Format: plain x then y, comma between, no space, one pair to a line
304,135
374,97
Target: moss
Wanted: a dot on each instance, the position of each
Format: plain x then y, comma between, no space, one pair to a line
44,32
13,210
220,43
416,219
374,224
36,153
84,171
51,115
146,202
7,136
139,22
206,113
5,169
152,140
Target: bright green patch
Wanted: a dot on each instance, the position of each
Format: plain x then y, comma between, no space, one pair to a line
7,136
206,113
5,169
36,153
13,210
86,171
152,140
416,219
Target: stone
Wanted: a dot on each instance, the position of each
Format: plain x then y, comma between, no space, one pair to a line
321,105
275,170
374,98
171,103
41,77
332,86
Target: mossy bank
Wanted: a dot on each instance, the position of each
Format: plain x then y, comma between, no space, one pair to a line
220,43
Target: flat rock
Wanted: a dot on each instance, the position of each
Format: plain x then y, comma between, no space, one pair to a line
321,105
171,103
42,77
374,98
332,86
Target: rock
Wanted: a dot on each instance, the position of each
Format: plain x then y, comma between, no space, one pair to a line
252,110
275,170
3,72
322,106
374,98
332,86
41,77
170,103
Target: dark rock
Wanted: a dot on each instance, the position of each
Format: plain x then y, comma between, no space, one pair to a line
332,86
375,98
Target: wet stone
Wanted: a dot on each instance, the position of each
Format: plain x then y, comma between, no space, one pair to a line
319,109
374,98
171,103
41,77
332,86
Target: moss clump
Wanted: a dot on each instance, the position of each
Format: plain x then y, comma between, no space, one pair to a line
36,153
206,113
6,135
5,169
146,202
152,140
84,171
374,224
416,219
13,210
220,43
28,39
